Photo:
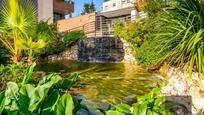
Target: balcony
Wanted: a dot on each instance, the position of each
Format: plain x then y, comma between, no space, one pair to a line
63,7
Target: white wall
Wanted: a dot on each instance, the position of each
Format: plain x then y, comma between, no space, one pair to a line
45,10
116,4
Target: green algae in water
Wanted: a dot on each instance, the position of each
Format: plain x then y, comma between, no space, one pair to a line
105,82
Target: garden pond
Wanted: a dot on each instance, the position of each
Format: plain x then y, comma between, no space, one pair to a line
105,82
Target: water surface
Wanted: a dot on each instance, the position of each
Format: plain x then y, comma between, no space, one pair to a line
105,82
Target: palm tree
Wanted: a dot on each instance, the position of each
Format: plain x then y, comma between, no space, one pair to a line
32,47
17,19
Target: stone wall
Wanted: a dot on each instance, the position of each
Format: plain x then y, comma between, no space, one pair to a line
181,84
97,49
68,54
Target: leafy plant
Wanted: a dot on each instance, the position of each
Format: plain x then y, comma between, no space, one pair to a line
20,31
46,32
135,32
149,104
73,36
11,72
44,98
53,47
32,47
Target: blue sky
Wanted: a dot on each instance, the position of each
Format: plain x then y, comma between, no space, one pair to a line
80,3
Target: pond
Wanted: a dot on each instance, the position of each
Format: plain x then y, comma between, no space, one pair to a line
105,82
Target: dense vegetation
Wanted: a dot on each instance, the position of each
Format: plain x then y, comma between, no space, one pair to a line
172,33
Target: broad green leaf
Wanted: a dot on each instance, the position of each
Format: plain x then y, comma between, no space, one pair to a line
65,105
123,108
11,92
46,78
149,112
2,99
112,112
28,74
140,109
50,102
159,101
40,92
68,82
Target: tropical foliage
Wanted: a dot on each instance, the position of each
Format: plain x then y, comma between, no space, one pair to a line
149,104
46,32
17,19
173,33
20,32
44,98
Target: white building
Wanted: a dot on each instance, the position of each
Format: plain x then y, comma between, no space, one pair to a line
113,10
111,5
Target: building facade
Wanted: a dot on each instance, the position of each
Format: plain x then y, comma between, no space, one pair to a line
112,10
101,23
52,10
111,5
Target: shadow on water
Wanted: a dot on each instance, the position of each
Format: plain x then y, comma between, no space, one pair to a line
105,82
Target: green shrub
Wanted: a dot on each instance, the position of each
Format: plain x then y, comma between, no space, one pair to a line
140,35
73,36
11,72
54,47
47,32
149,53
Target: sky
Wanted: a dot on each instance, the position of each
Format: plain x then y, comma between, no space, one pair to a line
80,3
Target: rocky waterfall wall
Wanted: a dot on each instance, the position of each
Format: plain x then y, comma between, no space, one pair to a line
97,49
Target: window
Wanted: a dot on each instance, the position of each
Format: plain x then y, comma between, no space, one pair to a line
114,4
106,7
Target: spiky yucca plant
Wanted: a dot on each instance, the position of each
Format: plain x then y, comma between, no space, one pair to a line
182,34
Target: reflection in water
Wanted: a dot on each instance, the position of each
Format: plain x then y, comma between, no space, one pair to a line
104,82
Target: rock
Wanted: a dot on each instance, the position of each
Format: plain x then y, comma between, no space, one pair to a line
180,110
131,99
179,84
